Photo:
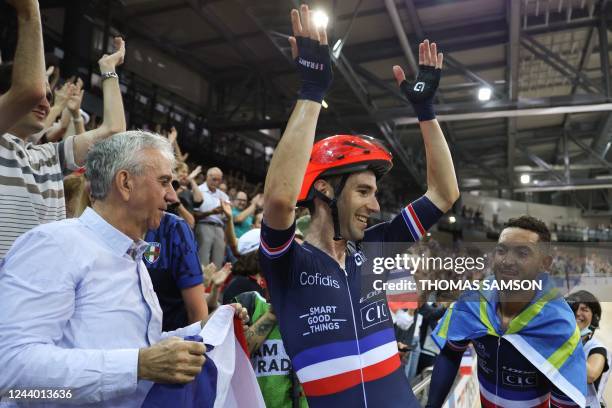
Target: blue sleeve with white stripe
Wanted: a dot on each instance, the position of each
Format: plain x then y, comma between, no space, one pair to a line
410,225
275,249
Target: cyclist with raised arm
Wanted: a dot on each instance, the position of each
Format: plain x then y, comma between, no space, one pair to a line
336,327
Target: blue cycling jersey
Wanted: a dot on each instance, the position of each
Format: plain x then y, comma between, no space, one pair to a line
509,379
535,361
336,327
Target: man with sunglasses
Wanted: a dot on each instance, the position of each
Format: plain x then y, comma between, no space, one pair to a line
31,176
335,326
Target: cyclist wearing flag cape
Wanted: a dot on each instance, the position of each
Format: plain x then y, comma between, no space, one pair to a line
527,342
336,328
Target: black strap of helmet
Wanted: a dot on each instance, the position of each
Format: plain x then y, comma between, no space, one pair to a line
333,205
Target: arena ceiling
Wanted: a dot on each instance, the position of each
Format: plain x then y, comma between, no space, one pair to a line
547,63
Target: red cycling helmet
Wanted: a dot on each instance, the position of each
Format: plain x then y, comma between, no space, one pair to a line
344,154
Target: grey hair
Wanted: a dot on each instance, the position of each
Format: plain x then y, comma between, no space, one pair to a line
122,151
213,170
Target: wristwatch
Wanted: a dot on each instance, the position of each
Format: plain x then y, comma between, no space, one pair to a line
110,74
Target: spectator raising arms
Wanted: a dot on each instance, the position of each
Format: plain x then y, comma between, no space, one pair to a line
31,188
26,88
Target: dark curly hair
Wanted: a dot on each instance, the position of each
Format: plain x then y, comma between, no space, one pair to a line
247,265
530,223
588,299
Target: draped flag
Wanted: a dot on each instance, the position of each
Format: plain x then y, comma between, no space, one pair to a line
545,332
227,379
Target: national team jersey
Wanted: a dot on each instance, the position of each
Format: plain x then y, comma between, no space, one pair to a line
336,327
508,379
173,264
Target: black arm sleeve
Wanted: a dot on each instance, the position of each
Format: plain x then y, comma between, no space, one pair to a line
443,376
604,353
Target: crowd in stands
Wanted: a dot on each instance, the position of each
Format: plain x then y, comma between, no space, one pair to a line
204,253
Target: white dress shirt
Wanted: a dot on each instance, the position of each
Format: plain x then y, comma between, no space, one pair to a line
76,304
211,201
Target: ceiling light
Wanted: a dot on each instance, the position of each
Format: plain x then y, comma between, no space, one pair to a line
484,93
525,178
320,19
337,48
324,104
452,219
337,45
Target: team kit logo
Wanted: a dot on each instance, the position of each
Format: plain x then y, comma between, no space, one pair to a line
151,254
374,313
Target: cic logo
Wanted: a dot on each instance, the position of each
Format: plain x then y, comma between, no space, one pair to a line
374,313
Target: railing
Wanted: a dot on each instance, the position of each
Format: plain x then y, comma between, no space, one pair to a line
421,388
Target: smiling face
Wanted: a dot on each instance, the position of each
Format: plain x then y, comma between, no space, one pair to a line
356,204
152,191
584,316
241,200
33,121
519,255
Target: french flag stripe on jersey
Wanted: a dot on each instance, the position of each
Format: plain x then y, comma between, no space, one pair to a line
336,375
490,400
412,222
519,398
561,403
277,251
341,349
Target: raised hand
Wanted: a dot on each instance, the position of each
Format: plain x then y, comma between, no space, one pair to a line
172,135
258,200
208,271
194,173
422,91
61,95
310,52
221,275
53,75
108,63
226,207
76,97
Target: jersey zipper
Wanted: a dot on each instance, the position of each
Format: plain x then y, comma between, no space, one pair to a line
348,289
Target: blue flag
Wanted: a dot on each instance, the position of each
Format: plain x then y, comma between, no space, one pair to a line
545,333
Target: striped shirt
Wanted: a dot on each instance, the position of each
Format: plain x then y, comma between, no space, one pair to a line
31,185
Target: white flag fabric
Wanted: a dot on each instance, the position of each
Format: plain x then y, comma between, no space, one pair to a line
237,385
